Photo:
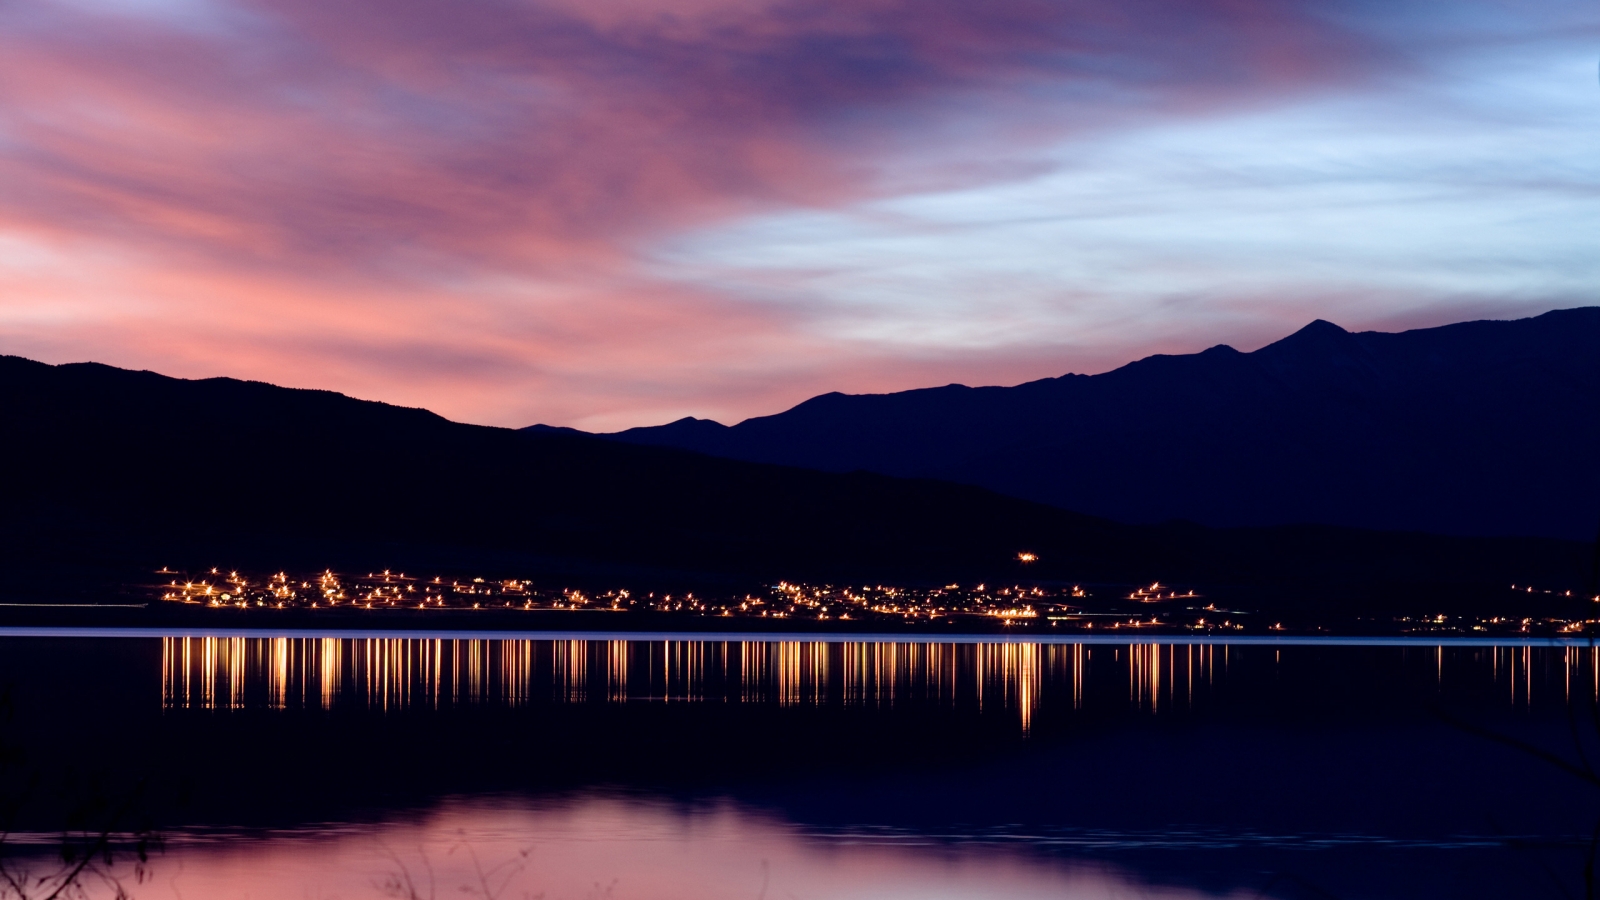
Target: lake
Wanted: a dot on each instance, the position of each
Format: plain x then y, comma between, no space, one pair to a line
628,766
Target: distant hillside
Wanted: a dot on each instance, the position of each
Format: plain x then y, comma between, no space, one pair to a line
113,459
112,472
1480,428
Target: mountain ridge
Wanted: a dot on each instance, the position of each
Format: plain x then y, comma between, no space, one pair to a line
117,473
1412,430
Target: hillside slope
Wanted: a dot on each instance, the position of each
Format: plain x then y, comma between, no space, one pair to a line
229,465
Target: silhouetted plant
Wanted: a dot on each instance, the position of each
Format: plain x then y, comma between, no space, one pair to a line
94,851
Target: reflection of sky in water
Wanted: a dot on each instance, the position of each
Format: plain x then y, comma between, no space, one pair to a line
598,847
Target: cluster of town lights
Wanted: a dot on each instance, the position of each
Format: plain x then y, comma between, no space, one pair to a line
1153,606
785,600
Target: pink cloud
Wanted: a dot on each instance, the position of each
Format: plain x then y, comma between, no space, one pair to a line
446,204
498,131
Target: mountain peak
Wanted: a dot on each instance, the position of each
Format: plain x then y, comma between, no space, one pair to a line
688,433
1318,328
1320,335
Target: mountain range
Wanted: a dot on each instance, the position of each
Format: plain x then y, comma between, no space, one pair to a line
1478,428
112,474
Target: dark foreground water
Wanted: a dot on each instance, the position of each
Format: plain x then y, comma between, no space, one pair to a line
327,767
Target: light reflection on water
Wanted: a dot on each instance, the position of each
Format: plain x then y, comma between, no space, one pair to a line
400,673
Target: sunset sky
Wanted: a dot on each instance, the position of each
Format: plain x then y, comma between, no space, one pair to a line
606,213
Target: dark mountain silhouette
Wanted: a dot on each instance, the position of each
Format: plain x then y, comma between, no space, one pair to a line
111,472
1480,428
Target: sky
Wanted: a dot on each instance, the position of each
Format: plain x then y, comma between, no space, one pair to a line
609,213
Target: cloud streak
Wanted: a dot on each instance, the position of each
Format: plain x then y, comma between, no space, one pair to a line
467,205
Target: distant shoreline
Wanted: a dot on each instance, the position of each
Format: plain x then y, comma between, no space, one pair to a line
796,636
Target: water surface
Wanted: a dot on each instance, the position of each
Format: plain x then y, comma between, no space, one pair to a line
324,766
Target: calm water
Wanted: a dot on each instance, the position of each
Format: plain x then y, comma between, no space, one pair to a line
322,767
